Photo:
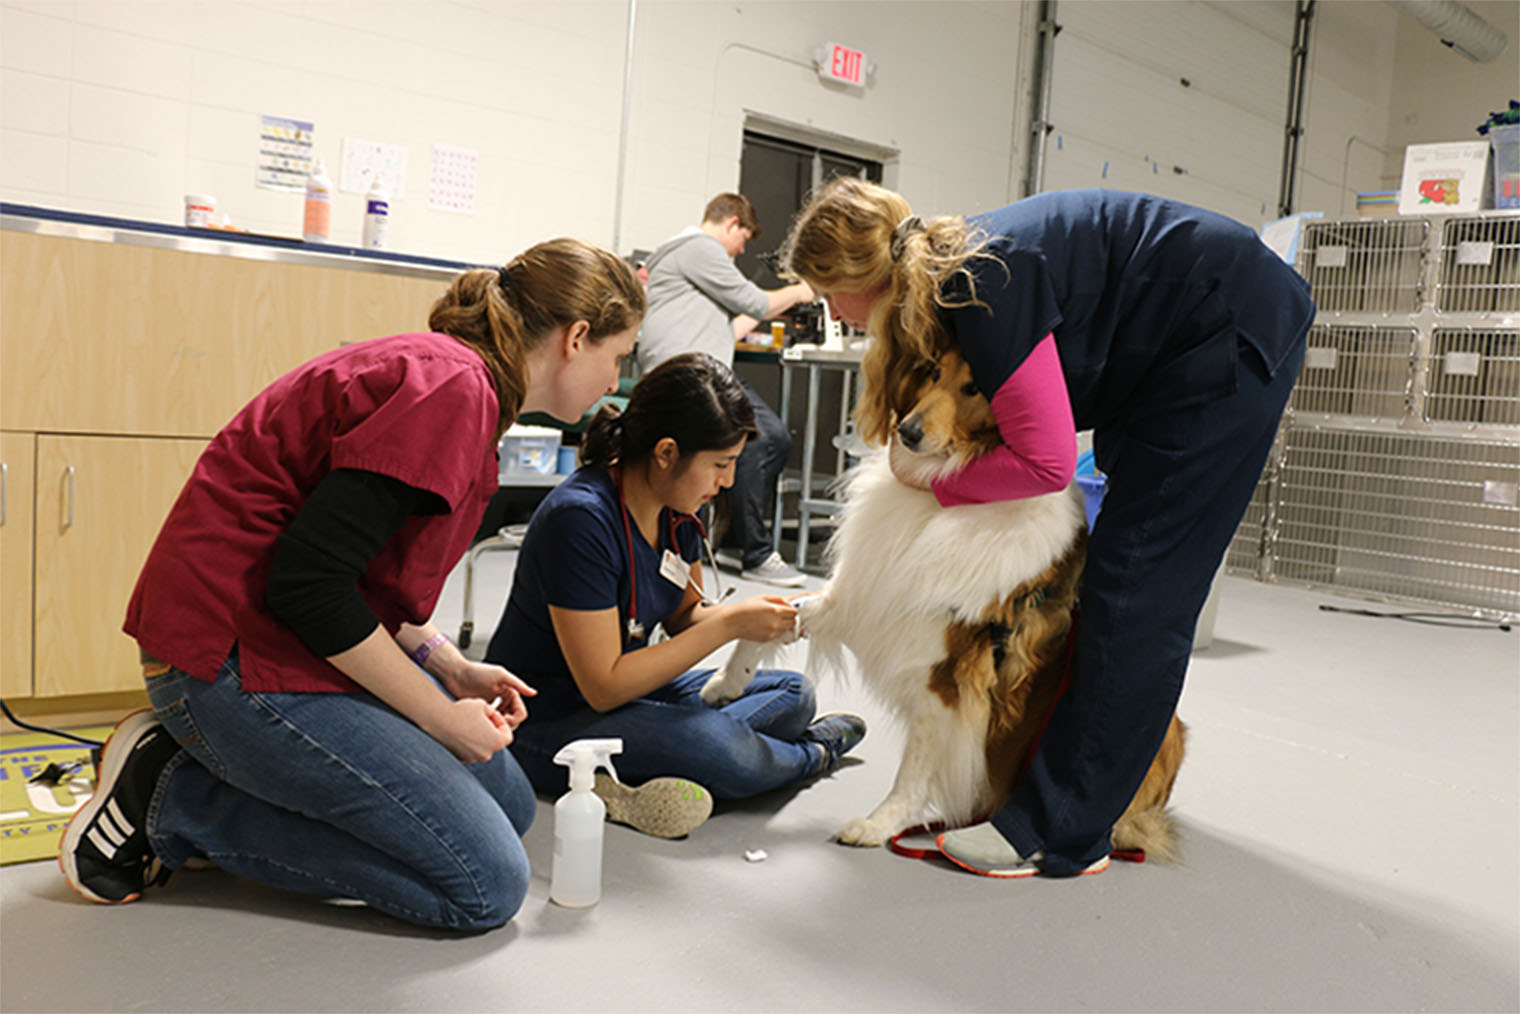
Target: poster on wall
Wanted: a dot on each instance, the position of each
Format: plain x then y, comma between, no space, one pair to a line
1442,178
451,183
285,152
365,161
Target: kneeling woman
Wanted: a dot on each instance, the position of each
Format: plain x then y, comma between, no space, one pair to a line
613,552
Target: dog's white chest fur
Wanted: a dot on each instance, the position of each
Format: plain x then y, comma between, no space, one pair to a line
903,565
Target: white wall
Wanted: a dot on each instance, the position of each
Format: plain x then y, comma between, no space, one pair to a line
1124,118
946,94
1346,102
120,107
1379,80
1439,95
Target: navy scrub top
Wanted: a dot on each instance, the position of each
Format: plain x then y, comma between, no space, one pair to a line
1149,301
575,556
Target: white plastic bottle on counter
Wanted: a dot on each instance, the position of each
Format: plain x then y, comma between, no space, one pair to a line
579,816
318,221
377,214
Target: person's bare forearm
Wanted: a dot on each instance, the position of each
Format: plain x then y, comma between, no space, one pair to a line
380,665
784,299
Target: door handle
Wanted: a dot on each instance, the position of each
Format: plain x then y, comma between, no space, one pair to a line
68,475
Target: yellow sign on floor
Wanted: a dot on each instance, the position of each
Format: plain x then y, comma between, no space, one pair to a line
32,816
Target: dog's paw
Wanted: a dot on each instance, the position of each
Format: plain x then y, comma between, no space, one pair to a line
862,833
719,691
808,609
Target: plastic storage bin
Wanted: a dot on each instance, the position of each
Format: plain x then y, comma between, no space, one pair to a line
1505,139
530,449
1092,487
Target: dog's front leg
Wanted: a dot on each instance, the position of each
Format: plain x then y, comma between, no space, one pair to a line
912,799
728,683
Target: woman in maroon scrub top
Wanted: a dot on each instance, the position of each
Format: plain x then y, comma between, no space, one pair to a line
310,729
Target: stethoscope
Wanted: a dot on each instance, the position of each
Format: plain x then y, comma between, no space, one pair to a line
672,519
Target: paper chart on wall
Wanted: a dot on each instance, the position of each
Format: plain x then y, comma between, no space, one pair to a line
285,148
451,184
363,161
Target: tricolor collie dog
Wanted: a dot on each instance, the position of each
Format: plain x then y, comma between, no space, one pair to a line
959,618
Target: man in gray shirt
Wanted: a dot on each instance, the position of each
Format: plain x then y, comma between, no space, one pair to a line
696,292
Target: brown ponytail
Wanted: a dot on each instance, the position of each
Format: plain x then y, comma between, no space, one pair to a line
503,313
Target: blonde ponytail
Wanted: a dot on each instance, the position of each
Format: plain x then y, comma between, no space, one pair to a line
854,236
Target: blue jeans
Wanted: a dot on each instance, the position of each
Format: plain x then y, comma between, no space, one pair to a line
338,795
742,749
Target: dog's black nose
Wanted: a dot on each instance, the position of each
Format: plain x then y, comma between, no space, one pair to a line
910,433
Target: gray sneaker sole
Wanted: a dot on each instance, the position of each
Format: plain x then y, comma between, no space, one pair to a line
661,807
789,581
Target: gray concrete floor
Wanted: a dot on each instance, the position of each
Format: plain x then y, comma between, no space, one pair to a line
1350,809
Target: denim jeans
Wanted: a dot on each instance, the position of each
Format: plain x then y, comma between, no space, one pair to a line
1178,484
755,475
338,795
744,748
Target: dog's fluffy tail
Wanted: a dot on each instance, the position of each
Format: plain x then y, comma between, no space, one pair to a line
1152,830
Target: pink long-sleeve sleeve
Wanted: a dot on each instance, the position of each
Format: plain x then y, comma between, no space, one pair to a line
1039,451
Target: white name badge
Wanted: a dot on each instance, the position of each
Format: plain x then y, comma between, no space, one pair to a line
674,569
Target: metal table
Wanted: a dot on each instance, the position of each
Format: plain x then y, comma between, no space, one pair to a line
815,360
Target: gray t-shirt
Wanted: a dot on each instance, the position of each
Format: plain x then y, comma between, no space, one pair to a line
695,290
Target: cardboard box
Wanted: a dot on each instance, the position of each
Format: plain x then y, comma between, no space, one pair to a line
1445,178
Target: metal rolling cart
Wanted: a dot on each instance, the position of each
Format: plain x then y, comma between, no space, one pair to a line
1396,473
816,360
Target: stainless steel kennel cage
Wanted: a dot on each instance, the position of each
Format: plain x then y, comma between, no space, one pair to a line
1396,472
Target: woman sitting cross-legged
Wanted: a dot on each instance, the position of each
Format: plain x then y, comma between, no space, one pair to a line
613,552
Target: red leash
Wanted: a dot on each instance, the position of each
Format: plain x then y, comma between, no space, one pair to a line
913,852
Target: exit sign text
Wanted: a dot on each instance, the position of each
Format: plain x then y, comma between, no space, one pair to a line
843,64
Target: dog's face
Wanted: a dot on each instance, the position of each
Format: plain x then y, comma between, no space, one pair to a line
944,421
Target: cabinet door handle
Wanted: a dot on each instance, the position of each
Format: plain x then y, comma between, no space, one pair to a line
5,488
68,475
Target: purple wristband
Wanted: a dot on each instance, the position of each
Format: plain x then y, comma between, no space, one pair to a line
426,648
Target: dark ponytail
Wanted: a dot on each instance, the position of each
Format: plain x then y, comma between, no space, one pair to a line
692,399
604,437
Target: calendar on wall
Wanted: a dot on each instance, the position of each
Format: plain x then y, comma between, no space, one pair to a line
451,184
363,161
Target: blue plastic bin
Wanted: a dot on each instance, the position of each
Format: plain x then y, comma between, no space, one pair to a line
1093,488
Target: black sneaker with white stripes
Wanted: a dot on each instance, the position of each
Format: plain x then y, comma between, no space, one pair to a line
105,853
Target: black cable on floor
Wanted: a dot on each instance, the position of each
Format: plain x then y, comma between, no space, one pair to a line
44,729
1429,619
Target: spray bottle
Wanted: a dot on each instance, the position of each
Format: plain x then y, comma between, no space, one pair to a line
579,816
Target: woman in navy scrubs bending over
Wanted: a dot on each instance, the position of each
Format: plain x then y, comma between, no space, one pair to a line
1173,334
614,551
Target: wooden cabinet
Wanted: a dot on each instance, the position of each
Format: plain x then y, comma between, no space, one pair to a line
16,456
116,338
120,360
100,502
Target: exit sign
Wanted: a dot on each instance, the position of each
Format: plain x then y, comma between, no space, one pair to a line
842,64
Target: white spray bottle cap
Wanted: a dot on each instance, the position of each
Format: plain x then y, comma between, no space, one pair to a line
584,756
